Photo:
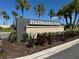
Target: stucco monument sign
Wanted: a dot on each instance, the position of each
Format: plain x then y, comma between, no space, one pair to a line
36,26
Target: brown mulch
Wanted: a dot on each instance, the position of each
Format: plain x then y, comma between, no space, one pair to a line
13,50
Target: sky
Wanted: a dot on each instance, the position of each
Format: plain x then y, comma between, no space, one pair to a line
9,6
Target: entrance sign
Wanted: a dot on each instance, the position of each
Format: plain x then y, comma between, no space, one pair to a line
38,22
24,25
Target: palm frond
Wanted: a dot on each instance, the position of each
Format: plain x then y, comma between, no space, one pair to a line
19,1
14,13
17,7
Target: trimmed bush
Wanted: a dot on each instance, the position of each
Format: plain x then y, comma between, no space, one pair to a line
25,37
39,39
46,38
57,36
30,41
12,38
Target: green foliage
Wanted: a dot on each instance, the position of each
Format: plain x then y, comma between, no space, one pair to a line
49,38
5,29
40,39
22,5
39,9
12,38
25,37
58,36
14,14
5,16
19,1
30,41
51,13
0,28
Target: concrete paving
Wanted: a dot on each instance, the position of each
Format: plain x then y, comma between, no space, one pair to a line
70,53
4,35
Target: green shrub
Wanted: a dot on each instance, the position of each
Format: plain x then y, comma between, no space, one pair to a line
57,36
1,28
50,38
40,39
6,29
25,37
12,38
62,37
30,41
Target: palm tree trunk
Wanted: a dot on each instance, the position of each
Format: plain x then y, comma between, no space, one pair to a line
6,21
75,19
39,16
66,21
15,20
71,21
22,12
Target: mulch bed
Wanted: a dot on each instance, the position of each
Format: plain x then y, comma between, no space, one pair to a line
13,50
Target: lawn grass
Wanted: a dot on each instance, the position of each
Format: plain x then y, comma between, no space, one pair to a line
5,30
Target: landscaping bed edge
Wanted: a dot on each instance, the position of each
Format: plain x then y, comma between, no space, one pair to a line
50,51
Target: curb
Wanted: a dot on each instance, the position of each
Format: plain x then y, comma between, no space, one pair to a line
51,51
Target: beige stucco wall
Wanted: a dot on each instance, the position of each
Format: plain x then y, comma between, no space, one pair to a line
41,29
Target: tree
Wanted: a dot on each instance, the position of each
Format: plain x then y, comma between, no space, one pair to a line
22,5
70,12
39,9
5,16
51,13
60,13
15,14
76,10
63,13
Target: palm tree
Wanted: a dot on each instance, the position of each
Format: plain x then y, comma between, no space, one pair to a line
1,12
51,13
39,9
70,12
63,13
22,5
60,13
15,14
76,10
5,16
